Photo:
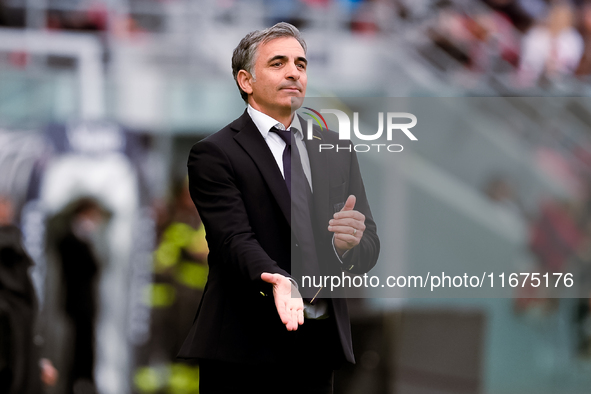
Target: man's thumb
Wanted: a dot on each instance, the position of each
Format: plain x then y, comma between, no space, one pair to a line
269,278
350,203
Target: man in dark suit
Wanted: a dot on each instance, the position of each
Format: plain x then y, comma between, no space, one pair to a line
272,205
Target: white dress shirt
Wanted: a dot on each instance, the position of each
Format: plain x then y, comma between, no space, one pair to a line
264,123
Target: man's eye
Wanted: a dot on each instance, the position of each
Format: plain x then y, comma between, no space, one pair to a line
276,64
302,66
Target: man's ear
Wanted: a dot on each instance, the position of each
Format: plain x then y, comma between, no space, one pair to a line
244,79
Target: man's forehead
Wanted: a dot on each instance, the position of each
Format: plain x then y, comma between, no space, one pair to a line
279,46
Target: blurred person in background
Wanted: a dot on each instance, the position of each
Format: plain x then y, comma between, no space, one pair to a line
490,38
477,40
80,271
450,34
521,13
179,276
552,49
21,369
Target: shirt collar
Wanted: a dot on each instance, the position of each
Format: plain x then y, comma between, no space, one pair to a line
264,122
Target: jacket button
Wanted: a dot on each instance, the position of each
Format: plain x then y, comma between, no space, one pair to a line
297,246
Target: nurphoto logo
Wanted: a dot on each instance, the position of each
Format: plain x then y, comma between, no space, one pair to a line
392,127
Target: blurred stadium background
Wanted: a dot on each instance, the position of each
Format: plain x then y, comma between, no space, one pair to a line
100,102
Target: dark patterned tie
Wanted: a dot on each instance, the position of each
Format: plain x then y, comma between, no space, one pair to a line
287,137
301,208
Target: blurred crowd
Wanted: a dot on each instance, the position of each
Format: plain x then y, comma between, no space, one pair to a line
536,42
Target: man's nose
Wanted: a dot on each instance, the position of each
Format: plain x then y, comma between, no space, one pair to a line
292,72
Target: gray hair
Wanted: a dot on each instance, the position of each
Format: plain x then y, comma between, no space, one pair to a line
244,55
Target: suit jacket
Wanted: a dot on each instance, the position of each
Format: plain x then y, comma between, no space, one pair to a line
244,203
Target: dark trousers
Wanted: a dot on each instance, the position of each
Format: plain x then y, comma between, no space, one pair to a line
307,368
219,377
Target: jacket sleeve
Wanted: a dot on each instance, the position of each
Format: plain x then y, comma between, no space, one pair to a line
214,191
363,257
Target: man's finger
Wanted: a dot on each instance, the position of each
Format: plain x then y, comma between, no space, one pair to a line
347,238
294,319
341,230
346,231
349,215
347,223
350,203
289,325
269,278
287,317
282,313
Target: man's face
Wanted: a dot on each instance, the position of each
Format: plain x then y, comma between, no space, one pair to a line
280,70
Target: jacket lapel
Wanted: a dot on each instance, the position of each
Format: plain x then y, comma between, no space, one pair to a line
251,140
